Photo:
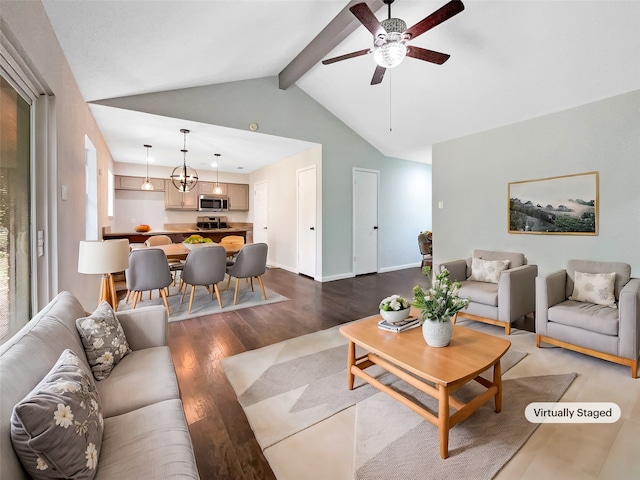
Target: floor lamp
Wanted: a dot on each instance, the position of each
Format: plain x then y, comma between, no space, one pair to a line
105,258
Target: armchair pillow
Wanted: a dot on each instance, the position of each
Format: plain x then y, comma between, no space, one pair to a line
487,270
595,288
57,429
104,341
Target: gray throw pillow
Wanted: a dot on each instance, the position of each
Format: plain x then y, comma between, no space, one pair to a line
57,429
104,341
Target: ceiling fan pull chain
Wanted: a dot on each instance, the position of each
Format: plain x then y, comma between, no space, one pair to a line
390,104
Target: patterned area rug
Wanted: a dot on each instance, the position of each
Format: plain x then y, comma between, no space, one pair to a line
287,387
203,304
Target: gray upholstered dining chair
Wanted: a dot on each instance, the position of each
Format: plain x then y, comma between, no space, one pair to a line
251,262
204,266
148,270
175,264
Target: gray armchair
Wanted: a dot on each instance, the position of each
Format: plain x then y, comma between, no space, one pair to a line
608,332
505,295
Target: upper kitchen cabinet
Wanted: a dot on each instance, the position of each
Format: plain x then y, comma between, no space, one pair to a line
238,196
174,199
124,182
206,188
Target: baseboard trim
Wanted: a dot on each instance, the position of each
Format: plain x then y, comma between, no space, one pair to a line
398,267
341,276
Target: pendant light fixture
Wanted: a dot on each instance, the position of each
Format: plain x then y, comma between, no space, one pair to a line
147,182
217,190
184,178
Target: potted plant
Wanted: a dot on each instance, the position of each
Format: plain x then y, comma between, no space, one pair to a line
394,308
437,305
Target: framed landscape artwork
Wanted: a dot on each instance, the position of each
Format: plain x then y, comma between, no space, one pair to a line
566,205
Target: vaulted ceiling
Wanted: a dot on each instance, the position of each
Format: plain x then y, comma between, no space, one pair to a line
510,60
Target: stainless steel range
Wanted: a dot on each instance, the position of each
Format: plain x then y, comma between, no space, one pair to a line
211,223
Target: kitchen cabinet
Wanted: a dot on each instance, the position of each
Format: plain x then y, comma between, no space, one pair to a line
174,199
238,196
125,182
206,188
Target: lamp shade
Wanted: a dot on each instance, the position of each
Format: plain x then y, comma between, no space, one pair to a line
103,257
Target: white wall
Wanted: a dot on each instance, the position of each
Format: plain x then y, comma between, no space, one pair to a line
281,178
472,175
27,27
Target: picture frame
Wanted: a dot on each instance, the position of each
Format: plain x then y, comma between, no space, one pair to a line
563,205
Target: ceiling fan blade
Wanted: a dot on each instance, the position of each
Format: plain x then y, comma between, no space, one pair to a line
378,75
436,18
368,19
346,56
427,55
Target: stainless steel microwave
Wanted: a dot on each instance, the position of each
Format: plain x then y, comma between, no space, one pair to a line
213,203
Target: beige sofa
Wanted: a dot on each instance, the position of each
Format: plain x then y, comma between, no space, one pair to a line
608,332
509,297
145,431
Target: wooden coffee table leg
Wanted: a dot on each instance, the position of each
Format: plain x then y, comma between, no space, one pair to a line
443,420
497,381
351,361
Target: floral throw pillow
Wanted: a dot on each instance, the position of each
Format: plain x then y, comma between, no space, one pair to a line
487,270
104,341
595,288
57,429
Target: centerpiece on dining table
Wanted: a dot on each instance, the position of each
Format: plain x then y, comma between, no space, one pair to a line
193,241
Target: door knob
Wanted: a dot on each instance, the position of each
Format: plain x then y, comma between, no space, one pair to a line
375,227
312,228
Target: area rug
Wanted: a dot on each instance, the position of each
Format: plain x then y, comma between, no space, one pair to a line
203,304
292,385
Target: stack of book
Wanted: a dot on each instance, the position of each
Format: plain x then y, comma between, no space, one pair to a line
406,324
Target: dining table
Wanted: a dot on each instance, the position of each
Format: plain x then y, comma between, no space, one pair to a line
178,250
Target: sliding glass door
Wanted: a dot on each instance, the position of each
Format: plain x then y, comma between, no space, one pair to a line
15,208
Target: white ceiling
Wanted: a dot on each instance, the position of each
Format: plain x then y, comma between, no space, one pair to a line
510,60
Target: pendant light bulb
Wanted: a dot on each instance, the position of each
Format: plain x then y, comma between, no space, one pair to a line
217,190
147,185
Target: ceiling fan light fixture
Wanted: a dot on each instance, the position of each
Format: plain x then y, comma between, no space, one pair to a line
390,54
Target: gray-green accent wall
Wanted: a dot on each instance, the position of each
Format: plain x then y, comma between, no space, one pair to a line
405,200
471,177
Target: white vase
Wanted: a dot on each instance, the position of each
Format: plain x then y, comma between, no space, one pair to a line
393,316
437,333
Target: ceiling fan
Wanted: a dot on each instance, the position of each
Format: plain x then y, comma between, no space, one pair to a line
390,37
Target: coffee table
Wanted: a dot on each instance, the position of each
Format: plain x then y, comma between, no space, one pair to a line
440,371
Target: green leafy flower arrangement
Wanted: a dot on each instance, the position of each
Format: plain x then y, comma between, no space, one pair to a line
441,301
394,303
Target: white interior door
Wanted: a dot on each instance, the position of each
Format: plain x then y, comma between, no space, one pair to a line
365,221
307,232
261,209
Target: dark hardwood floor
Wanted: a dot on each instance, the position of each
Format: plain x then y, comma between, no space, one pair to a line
224,444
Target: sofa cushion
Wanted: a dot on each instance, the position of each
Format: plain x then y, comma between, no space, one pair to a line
515,259
146,375
594,288
57,429
487,270
150,442
104,341
623,273
587,316
27,357
479,292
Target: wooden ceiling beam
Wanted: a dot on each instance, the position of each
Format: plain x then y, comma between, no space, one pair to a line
343,25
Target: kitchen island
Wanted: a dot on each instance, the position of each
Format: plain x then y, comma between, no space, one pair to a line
177,236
